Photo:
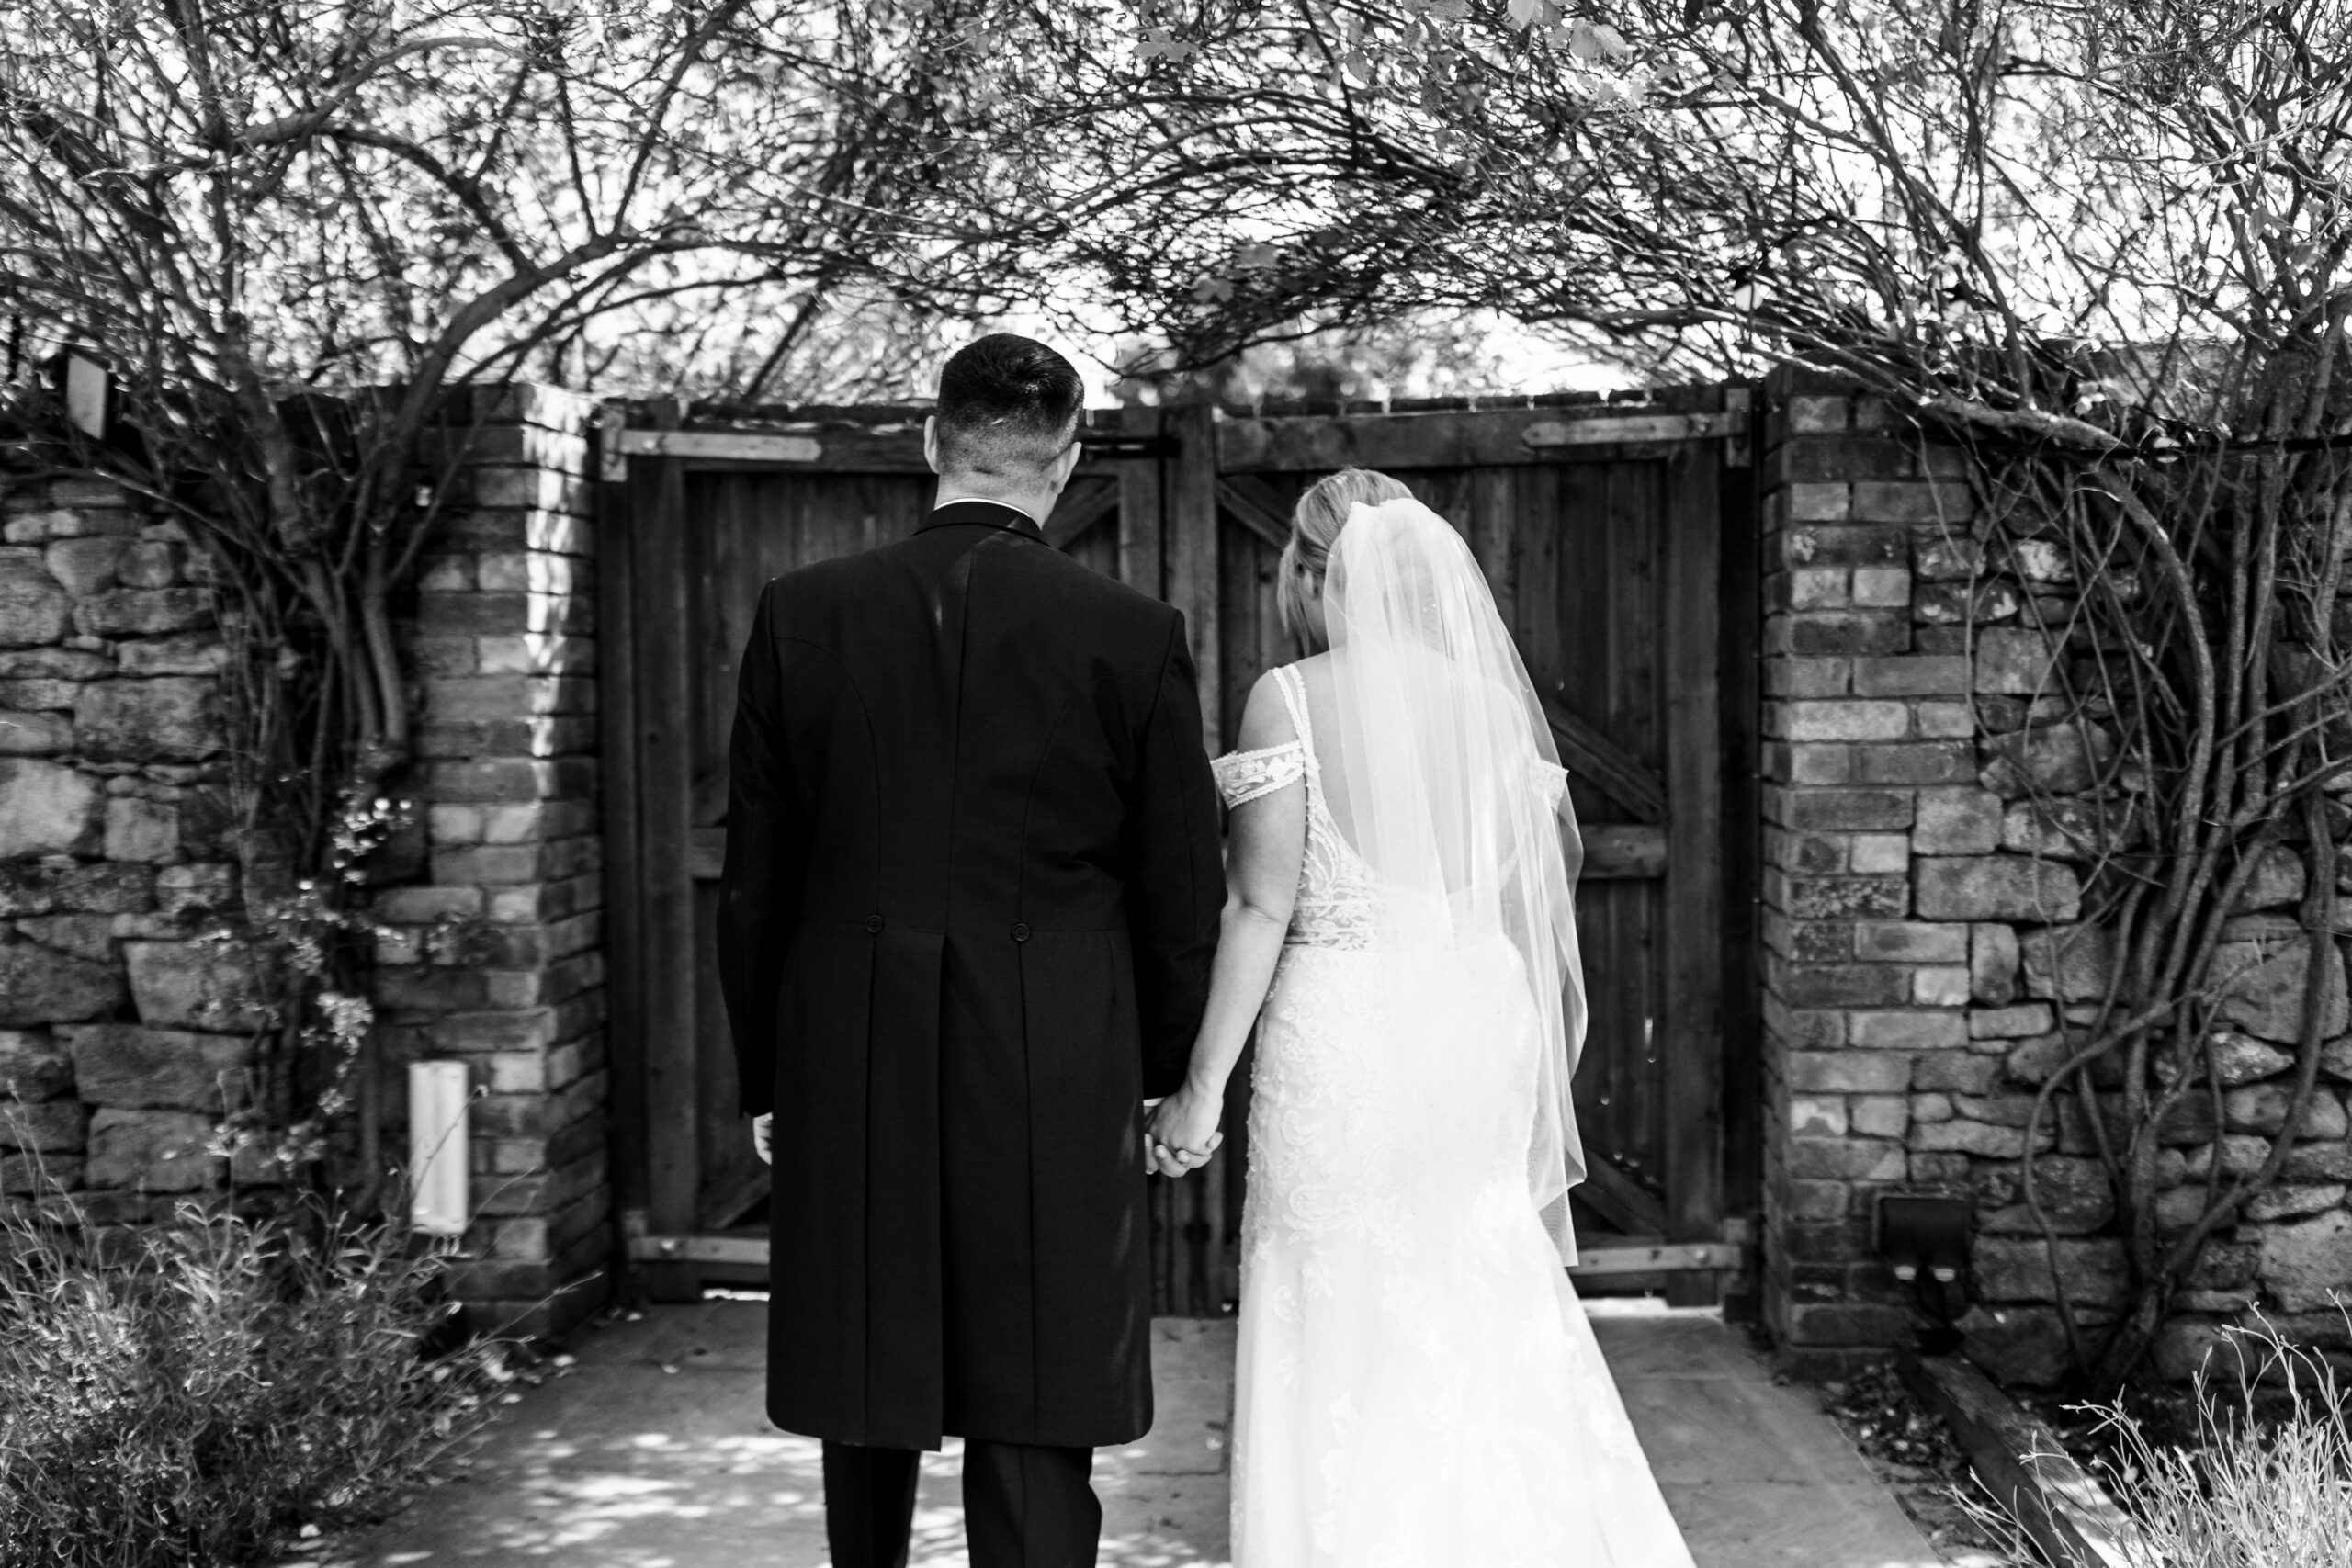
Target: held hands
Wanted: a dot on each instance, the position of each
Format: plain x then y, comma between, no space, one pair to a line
763,1130
1182,1134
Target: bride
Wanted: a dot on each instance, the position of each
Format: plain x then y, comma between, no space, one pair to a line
1417,1387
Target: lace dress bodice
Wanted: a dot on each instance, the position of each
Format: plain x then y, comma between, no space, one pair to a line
1338,900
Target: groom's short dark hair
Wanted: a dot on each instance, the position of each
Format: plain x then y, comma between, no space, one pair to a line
1008,407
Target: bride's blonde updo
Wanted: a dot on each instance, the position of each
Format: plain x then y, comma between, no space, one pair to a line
1314,524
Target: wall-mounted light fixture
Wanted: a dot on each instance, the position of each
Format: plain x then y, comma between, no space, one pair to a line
1923,1239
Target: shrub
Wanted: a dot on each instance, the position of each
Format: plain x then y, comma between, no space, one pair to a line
192,1393
2261,1478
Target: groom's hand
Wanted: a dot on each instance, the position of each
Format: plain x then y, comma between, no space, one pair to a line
762,1128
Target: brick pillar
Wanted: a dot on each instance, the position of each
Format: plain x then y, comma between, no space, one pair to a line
1870,765
496,958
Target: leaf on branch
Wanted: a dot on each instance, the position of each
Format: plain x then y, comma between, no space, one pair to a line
1527,12
1359,67
1212,289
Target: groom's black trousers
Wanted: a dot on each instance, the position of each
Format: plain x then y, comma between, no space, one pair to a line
1024,1506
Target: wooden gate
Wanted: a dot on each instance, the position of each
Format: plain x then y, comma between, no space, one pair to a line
1603,528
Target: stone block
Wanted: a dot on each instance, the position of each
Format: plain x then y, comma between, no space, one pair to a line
2276,883
1996,888
83,936
2262,1108
1911,676
2074,1194
2295,1201
33,1176
1879,1115
191,892
1908,1030
1853,720
35,608
2064,829
40,985
1985,1140
205,985
33,1066
44,1126
1849,810
53,664
1847,1072
86,566
1955,1072
47,808
184,653
2014,1022
1941,986
1956,822
33,734
1848,897
167,719
2317,1162
1849,633
153,563
2262,985
141,830
153,1151
38,693
143,612
1818,1116
2242,1059
125,1065
1847,1159
2033,1060
1911,501
2067,964
2094,1269
2017,661
1910,942
2056,758
2306,1262
1916,762
1843,985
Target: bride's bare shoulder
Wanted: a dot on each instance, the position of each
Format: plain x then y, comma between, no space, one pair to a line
1265,718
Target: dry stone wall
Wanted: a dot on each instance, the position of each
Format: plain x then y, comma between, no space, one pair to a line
1927,961
128,1002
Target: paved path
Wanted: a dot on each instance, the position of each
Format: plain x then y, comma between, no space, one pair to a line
652,1452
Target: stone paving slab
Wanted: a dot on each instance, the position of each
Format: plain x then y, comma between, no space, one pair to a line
653,1451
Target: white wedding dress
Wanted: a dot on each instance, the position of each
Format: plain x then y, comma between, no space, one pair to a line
1418,1386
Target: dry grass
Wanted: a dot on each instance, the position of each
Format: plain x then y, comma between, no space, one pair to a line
193,1395
2262,1478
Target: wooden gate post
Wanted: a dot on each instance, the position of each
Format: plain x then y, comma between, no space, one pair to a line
665,705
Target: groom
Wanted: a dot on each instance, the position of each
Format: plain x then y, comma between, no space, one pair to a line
966,925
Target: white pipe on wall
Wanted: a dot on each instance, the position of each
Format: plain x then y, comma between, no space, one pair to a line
438,1101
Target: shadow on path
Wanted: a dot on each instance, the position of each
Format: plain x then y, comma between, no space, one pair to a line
653,1451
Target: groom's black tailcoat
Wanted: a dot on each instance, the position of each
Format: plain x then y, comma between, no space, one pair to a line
969,906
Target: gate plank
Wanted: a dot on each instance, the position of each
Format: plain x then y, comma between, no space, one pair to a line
665,707
616,771
1588,752
1141,563
1085,504
1252,502
1694,864
1479,439
1192,554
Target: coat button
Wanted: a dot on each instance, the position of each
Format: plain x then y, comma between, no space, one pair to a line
1020,933
874,924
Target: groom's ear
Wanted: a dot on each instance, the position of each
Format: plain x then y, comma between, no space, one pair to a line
931,441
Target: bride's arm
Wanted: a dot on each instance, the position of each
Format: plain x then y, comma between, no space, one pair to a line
1265,844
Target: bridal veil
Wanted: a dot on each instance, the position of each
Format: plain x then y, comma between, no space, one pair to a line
1450,789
